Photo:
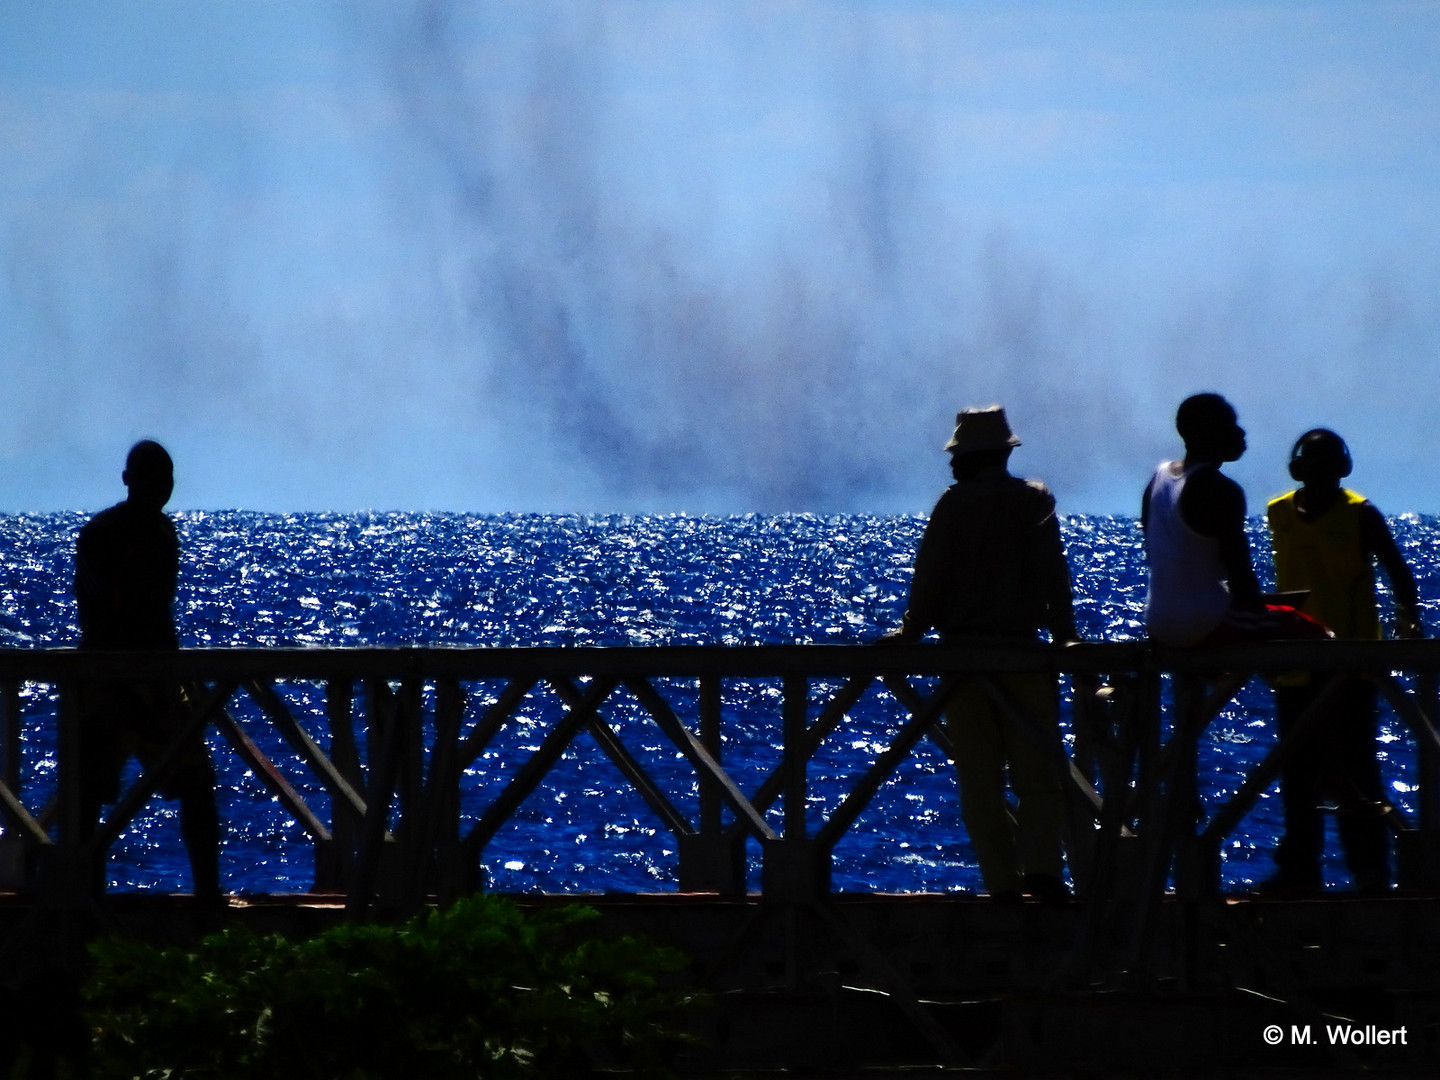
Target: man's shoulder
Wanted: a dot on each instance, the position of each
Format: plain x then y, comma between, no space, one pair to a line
1012,486
122,518
1032,493
102,521
1209,479
1370,516
1280,504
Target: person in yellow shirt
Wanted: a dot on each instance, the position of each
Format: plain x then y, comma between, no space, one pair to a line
1326,540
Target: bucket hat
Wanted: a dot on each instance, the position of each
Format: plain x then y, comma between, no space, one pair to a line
981,429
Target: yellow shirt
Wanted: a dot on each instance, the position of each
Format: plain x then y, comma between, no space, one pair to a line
1327,556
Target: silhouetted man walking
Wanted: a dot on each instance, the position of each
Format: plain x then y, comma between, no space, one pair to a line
127,565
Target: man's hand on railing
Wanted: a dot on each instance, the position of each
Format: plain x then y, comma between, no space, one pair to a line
898,636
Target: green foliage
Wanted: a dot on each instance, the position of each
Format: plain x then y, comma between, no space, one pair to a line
481,989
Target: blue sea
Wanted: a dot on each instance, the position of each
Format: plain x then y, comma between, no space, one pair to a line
411,579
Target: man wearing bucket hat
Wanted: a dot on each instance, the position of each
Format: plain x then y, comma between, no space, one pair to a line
991,566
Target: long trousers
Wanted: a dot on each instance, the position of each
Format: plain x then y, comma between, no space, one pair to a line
987,740
1336,766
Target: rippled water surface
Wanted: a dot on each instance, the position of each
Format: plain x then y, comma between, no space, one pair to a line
450,579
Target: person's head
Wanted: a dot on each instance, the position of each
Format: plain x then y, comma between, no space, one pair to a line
149,474
982,439
1210,429
1320,459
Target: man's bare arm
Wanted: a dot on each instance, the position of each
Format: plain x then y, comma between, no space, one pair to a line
1214,505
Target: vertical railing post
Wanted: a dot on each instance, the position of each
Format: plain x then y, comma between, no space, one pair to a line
1191,875
1144,805
1429,763
1164,808
437,847
410,778
710,800
10,734
711,861
794,869
1149,716
335,867
795,691
1113,889
67,754
72,875
382,723
1418,852
12,844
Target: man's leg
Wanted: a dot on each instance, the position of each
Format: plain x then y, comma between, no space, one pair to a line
1297,856
1033,772
1351,762
105,710
974,729
200,826
192,785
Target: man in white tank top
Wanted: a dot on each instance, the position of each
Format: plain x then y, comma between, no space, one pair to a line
1203,589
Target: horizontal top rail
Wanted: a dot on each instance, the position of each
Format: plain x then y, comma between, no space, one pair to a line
755,661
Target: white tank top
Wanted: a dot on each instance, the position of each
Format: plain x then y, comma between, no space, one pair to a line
1188,596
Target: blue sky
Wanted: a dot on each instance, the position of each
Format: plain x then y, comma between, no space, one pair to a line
703,256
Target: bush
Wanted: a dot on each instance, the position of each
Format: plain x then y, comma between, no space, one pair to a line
481,989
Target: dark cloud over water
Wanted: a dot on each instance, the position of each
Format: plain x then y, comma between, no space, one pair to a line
710,256
817,362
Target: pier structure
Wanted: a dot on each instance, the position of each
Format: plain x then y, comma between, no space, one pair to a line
395,737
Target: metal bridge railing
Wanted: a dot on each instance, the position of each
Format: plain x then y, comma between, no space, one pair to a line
396,735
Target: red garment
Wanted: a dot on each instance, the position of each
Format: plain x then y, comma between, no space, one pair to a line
1278,622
